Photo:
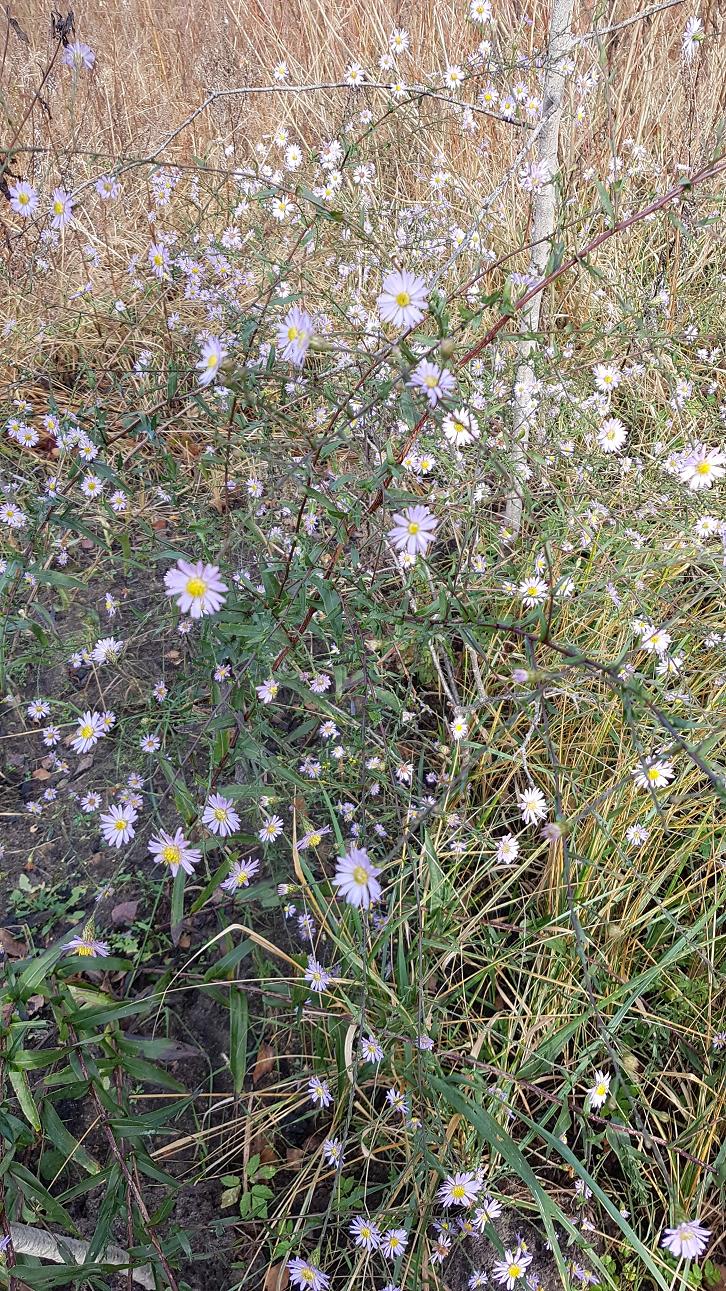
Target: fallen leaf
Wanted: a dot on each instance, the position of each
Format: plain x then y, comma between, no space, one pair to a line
261,1147
40,774
277,1278
264,1062
82,765
11,945
124,912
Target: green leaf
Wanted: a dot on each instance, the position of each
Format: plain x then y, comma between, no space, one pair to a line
28,1184
19,1082
177,905
61,1138
106,1215
605,201
238,1023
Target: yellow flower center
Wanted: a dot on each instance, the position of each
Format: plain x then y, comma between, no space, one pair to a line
242,878
601,1091
23,199
57,208
430,382
458,1191
413,527
393,1243
120,825
365,1232
307,1276
220,813
315,840
515,1270
171,854
85,949
360,875
403,299
653,773
212,361
703,468
196,587
86,731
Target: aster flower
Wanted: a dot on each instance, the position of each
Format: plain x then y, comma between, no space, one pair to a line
459,729
460,428
687,1240
413,530
319,1091
271,829
174,851
61,208
306,1276
370,1050
38,709
357,879
507,849
313,838
79,56
212,355
702,467
333,1151
533,591
655,773
366,1234
317,976
513,1267
240,875
436,382
459,1189
90,731
87,945
607,377
267,691
117,825
612,435
197,588
655,640
11,515
294,335
220,816
107,650
355,75
486,1212
24,199
600,1090
532,805
403,300
693,34
393,1243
